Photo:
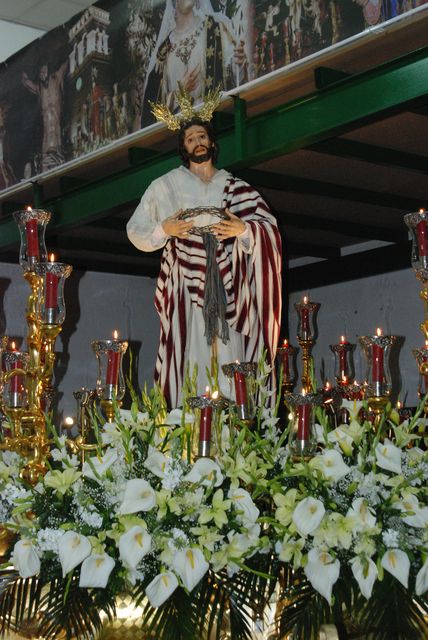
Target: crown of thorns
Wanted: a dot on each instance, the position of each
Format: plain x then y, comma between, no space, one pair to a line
173,121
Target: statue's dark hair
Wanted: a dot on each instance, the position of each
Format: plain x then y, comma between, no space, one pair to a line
211,135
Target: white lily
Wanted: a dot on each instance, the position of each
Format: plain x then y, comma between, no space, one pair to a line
322,571
25,558
363,514
190,565
422,579
156,462
365,573
161,587
397,563
388,456
206,472
417,516
244,505
331,464
134,545
308,515
139,496
73,548
96,571
353,407
96,467
342,438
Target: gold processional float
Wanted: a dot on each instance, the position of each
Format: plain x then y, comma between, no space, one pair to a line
26,389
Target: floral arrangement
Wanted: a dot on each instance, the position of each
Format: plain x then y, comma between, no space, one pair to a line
250,539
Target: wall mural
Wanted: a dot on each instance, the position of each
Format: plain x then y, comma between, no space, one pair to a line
88,82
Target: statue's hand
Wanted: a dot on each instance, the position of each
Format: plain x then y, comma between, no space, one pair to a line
177,228
229,228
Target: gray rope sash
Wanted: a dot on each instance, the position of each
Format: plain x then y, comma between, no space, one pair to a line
214,309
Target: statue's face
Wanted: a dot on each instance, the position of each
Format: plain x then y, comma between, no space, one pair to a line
196,140
184,6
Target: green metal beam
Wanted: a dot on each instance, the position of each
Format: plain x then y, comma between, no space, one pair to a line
282,130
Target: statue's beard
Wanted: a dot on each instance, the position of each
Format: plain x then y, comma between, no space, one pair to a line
199,158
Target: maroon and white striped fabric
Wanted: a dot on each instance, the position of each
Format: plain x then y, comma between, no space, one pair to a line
252,283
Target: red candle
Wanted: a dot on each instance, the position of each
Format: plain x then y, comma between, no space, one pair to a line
32,238
113,361
240,388
285,360
304,412
422,234
51,290
205,423
378,372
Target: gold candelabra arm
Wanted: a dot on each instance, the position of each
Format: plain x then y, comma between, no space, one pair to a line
307,362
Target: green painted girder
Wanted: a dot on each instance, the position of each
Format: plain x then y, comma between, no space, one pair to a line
284,129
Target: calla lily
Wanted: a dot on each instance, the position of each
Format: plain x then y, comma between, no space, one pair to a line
61,481
308,515
353,407
190,565
73,548
134,545
422,579
397,563
25,558
365,573
343,439
330,464
206,472
96,571
96,467
363,514
388,456
139,496
156,462
322,572
244,505
416,517
159,590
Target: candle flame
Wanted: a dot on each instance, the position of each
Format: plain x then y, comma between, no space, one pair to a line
305,299
285,342
378,331
426,343
303,391
214,395
342,339
52,257
421,210
115,334
344,380
13,346
327,385
69,421
399,405
28,208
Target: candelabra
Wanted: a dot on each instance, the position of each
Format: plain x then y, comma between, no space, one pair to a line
26,377
306,311
207,416
110,380
302,441
242,377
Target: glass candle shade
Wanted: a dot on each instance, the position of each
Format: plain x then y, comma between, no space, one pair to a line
54,275
421,356
208,410
306,313
242,377
32,226
14,390
344,371
376,350
302,440
285,360
417,223
110,380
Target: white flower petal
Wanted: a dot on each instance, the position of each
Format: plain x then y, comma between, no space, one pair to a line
134,545
25,558
73,548
156,462
365,573
139,496
243,503
95,571
322,572
206,472
365,518
190,565
160,588
97,466
332,465
397,563
388,456
422,579
308,515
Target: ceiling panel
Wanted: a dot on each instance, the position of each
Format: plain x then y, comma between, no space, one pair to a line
41,14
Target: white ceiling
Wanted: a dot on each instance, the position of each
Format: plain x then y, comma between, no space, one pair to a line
41,14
